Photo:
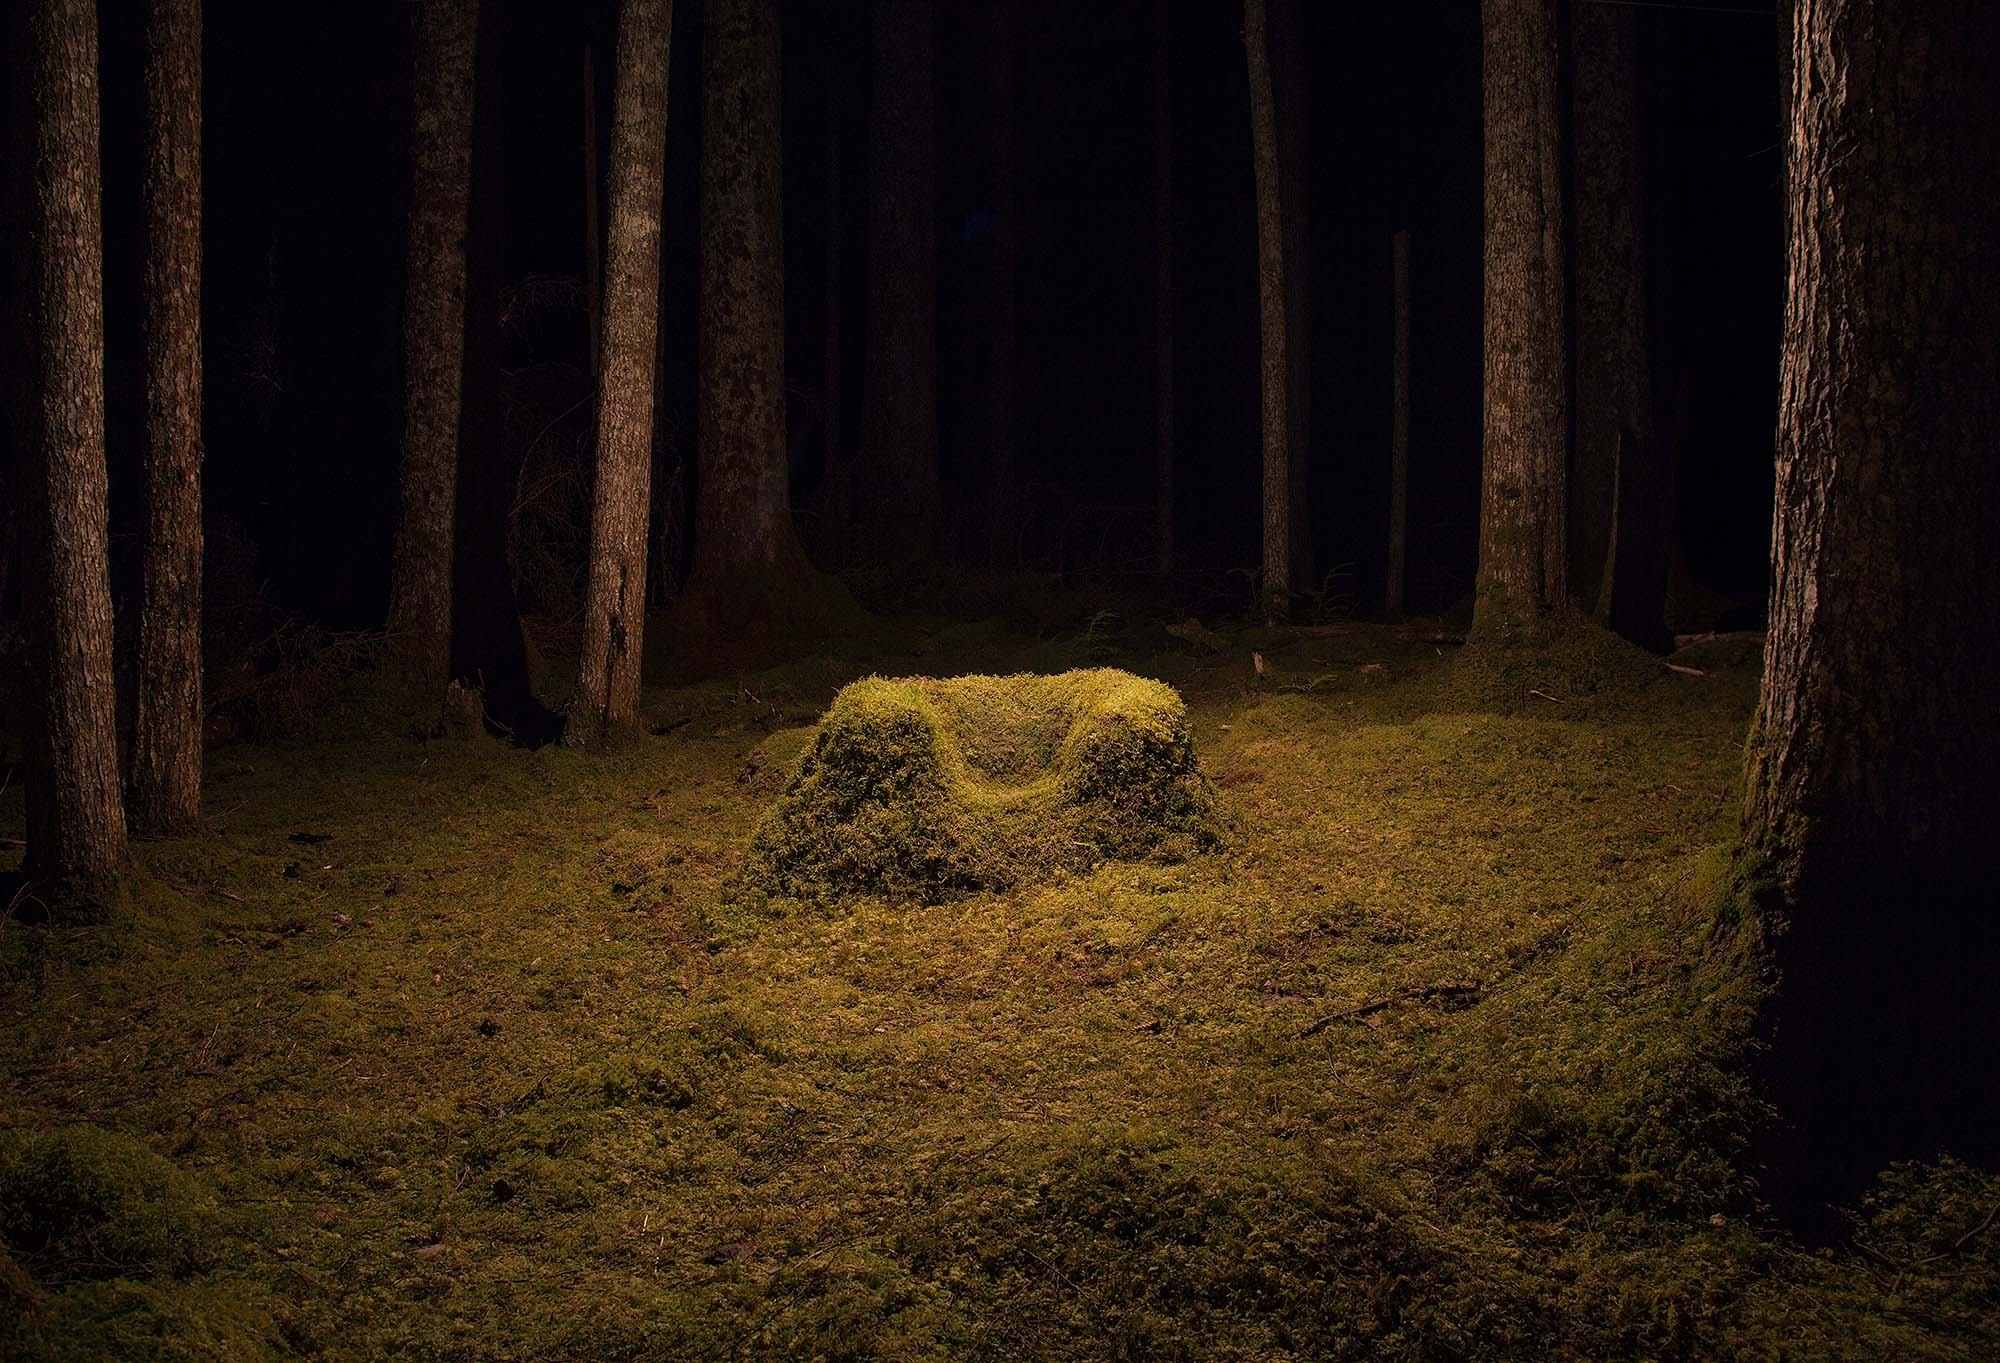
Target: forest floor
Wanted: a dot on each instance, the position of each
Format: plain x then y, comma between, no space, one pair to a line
459,1051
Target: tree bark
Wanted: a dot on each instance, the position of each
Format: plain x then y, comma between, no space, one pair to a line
76,815
896,494
607,697
1001,335
1163,289
433,340
1523,554
165,777
1399,431
1875,763
1293,100
1274,344
748,566
1621,503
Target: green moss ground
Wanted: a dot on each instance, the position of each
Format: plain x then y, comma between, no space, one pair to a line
460,1052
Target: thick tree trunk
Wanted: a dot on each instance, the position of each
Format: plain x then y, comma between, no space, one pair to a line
1875,764
76,813
1293,98
1523,553
1163,289
1000,393
433,339
615,607
897,498
165,778
1399,431
1274,344
748,566
1621,503
487,648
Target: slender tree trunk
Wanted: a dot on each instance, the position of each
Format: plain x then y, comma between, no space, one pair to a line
615,607
1399,432
1875,764
1620,499
1523,554
1163,288
1292,97
1001,334
897,494
76,814
747,563
1274,345
593,231
165,796
830,538
433,339
487,648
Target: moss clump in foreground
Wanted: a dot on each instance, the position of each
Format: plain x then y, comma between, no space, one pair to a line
920,788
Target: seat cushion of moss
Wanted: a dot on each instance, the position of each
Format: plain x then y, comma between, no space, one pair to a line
922,787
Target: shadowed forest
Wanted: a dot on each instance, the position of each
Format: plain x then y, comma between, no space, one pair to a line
1172,679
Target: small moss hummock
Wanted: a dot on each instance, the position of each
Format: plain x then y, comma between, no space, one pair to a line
919,788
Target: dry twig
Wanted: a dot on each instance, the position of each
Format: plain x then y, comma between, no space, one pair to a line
1425,991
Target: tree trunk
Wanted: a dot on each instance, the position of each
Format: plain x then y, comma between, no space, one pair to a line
748,566
615,607
897,499
1163,288
830,532
76,814
1875,764
165,795
433,340
1001,334
1293,99
1399,432
1523,555
487,649
1620,499
1273,336
593,231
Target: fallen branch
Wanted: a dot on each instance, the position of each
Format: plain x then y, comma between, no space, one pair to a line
1426,991
1546,696
1683,670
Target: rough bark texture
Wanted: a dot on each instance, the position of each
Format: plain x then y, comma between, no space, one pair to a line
165,778
1621,503
75,809
896,494
1293,99
1003,497
488,652
1276,602
748,566
607,696
1523,554
1399,431
1876,762
433,338
1163,289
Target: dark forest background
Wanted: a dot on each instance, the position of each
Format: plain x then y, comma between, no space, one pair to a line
307,119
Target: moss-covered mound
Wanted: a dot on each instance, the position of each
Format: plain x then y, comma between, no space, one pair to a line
919,788
83,1202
